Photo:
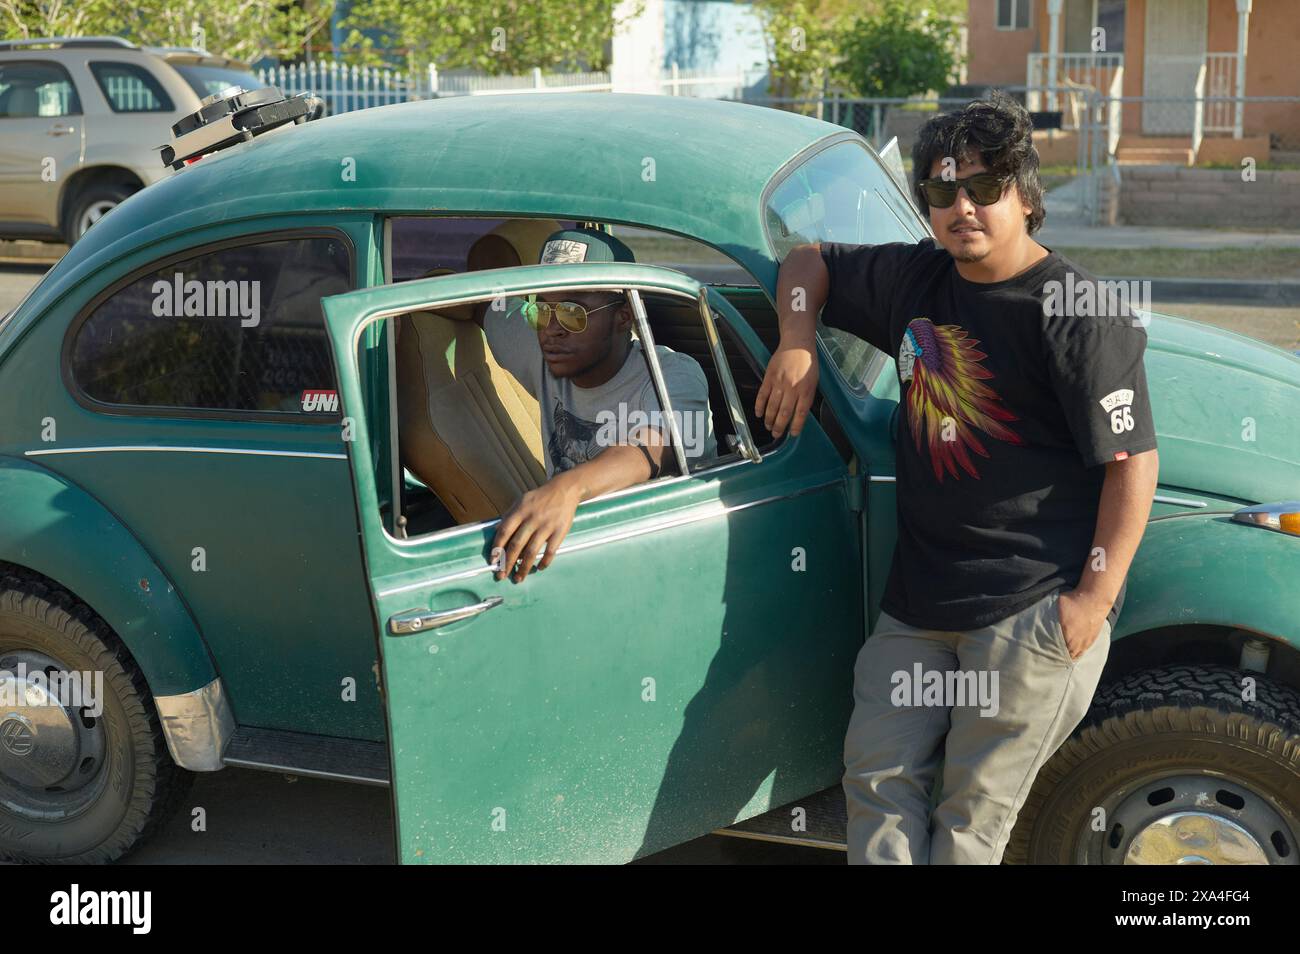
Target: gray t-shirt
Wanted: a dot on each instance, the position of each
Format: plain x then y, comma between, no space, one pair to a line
579,423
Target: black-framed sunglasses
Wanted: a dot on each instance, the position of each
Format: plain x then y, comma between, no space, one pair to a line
984,188
571,316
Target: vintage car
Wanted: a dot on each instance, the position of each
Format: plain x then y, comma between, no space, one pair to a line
252,459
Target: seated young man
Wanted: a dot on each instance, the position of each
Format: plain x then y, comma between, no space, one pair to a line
602,425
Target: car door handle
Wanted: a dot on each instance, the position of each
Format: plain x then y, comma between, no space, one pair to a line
59,129
418,620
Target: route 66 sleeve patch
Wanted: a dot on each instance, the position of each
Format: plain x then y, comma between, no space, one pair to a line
1119,405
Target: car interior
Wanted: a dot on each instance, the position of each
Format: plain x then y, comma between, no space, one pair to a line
469,433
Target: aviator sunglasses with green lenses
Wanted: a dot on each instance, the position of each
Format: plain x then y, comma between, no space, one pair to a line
571,316
984,188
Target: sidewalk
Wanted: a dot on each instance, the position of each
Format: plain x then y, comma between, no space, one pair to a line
1064,228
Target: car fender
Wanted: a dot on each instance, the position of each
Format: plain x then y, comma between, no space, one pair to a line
54,527
1205,568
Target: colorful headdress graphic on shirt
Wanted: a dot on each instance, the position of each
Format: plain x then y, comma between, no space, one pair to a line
946,398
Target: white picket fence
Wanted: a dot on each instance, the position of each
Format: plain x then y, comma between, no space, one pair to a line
346,88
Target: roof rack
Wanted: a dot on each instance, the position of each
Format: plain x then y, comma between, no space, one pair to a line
233,116
69,41
196,50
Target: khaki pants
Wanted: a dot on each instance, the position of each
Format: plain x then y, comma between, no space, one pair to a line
993,704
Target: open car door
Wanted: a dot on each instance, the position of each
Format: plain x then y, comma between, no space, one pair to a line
685,663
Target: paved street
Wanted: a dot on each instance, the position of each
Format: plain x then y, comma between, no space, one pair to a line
266,818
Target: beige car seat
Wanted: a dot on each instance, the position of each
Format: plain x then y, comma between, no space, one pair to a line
466,427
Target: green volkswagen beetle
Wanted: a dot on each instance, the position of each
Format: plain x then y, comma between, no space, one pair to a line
252,459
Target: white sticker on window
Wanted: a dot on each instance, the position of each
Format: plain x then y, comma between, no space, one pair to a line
559,251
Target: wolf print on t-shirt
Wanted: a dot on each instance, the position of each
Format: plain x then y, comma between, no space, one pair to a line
946,401
571,439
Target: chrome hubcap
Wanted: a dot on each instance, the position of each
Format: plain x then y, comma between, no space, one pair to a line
1195,820
52,747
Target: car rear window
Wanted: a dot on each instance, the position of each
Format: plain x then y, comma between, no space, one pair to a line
130,88
209,80
235,329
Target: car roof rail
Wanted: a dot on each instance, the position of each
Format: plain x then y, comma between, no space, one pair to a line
196,50
69,41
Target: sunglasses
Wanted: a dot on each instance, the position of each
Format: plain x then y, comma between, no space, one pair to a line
984,188
571,316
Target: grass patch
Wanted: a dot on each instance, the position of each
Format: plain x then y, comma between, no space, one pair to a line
1259,264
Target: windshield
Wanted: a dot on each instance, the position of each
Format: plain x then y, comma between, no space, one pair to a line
840,194
207,80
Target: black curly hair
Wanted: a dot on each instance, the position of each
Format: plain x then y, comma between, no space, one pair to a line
999,131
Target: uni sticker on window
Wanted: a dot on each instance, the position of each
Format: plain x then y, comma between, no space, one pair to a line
320,401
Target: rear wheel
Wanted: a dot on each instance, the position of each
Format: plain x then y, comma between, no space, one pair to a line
84,777
91,206
1171,766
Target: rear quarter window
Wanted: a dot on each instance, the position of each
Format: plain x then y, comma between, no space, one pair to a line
130,88
235,330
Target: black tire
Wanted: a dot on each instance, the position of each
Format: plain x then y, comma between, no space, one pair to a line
94,197
96,822
1146,749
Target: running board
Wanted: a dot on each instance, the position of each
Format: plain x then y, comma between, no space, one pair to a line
314,756
824,821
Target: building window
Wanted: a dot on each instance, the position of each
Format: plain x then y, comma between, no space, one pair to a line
1014,14
1110,17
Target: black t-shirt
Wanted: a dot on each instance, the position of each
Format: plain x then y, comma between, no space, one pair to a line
1007,411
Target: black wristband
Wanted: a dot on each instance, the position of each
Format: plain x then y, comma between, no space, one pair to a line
654,468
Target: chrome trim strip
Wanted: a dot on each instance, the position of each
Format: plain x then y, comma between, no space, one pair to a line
703,512
1159,498
825,845
183,450
197,726
657,375
305,773
1178,501
748,448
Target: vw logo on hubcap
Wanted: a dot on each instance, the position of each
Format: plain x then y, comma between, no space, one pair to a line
16,736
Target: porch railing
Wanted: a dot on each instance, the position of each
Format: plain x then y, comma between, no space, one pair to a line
1114,113
1198,110
1220,80
1075,76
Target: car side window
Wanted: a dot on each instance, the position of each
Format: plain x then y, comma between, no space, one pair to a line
130,88
31,89
235,329
840,194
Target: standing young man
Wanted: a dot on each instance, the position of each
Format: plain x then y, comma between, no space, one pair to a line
1026,467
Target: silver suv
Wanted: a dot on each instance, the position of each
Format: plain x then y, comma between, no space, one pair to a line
81,120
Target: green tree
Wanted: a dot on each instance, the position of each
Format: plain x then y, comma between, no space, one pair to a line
242,29
801,40
904,47
496,36
28,19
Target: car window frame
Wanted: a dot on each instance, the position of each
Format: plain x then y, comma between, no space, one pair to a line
199,414
722,462
916,226
75,106
720,321
166,103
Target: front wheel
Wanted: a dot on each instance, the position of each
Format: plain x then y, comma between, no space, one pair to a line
1171,766
85,773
